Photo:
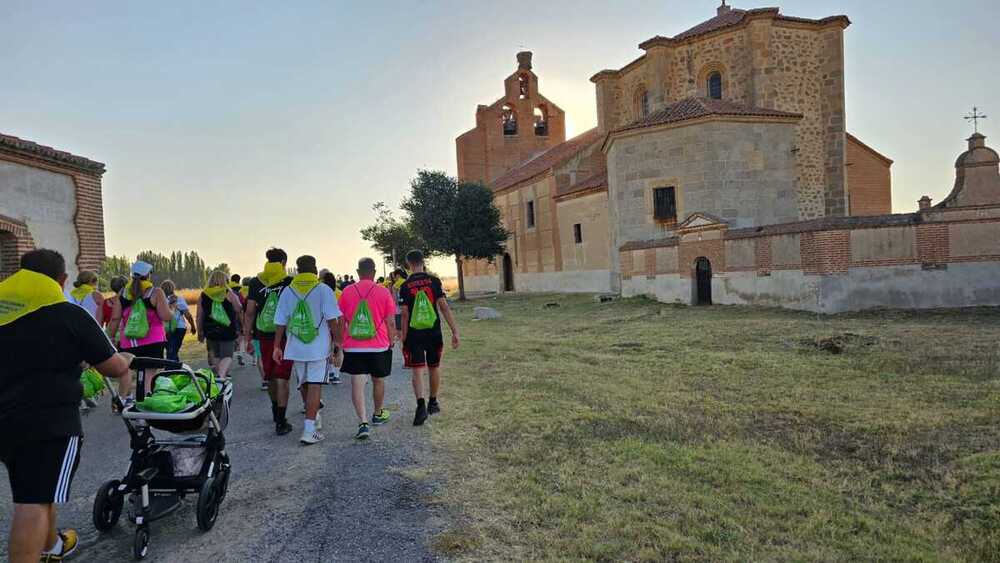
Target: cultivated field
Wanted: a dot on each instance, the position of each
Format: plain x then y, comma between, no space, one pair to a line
641,431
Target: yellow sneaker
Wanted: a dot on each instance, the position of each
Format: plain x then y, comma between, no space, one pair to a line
70,541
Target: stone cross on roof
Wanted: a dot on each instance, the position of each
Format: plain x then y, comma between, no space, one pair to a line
974,117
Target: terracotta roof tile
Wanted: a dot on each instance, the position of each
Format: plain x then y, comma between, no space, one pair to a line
735,17
596,180
49,153
693,108
546,160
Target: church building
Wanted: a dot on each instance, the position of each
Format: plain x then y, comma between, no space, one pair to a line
721,170
49,199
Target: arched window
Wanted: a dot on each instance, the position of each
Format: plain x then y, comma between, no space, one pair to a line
714,86
642,102
522,81
509,120
541,121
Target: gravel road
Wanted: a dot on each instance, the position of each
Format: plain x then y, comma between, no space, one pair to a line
339,500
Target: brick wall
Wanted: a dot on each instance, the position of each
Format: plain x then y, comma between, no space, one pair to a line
869,181
15,240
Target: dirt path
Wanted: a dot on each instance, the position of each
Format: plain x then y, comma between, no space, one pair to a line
339,500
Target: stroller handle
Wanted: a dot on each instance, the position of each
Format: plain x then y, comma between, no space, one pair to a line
139,364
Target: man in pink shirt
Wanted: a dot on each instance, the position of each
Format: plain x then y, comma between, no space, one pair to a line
368,342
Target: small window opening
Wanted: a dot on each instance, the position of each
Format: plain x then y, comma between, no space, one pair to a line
509,119
665,204
522,82
541,122
578,233
531,214
715,85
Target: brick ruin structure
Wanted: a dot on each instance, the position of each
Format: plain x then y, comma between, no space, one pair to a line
49,199
721,170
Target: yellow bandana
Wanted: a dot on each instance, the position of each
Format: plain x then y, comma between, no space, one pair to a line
273,273
26,292
245,291
216,292
143,286
303,283
80,293
234,286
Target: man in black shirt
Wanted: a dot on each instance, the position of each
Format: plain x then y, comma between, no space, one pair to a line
43,341
422,347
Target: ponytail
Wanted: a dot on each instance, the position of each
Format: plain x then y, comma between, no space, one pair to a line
136,288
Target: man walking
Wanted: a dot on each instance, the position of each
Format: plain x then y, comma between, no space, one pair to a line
369,336
262,306
308,320
424,303
43,340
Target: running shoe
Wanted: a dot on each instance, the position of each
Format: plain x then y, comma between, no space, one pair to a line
319,421
282,428
70,541
334,379
433,407
363,431
381,417
263,386
310,438
421,416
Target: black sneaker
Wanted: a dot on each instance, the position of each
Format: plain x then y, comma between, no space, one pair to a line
421,416
433,407
363,431
282,428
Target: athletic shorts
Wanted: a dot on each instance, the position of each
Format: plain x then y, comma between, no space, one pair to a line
422,353
221,349
375,364
158,350
273,370
256,348
311,372
42,472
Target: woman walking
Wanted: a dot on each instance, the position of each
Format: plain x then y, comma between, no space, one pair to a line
138,320
217,322
85,295
179,322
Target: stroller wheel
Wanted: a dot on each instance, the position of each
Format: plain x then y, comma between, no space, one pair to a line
108,506
222,480
140,545
208,505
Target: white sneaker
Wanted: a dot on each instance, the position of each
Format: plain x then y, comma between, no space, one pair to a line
309,439
319,421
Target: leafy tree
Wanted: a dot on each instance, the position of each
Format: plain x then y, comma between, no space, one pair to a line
186,269
455,219
391,237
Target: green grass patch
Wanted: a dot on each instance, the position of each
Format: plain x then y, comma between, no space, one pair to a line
640,431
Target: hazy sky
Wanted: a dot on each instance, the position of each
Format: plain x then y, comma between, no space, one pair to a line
228,127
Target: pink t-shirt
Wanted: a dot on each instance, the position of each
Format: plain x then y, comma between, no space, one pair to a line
383,310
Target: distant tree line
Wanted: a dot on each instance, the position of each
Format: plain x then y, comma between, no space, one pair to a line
186,269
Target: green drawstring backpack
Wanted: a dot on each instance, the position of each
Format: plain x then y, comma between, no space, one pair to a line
362,323
219,315
301,324
137,325
424,316
92,382
265,320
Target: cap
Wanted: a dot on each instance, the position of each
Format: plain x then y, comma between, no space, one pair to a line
141,269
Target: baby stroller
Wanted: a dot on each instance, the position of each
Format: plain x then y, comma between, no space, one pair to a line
162,470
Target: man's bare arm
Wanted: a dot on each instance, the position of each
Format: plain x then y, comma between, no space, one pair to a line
450,319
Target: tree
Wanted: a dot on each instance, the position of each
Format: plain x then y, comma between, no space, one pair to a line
391,237
455,219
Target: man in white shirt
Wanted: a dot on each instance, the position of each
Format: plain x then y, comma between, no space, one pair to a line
310,332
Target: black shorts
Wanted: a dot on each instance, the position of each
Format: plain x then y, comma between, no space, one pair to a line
157,350
376,364
42,472
420,353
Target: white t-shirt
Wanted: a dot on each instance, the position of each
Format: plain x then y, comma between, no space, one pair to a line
323,305
180,306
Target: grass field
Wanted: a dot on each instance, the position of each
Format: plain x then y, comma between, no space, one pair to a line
635,430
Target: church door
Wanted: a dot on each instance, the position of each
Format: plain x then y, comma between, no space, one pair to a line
508,273
703,281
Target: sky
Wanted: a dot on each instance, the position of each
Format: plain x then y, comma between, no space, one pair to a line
229,127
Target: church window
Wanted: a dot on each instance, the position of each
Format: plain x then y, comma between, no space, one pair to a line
509,119
715,85
642,101
665,204
578,233
541,122
522,82
531,214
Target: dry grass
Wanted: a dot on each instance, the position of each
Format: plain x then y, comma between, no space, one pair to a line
190,295
641,431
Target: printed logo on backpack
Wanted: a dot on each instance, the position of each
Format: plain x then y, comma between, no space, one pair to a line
137,325
265,320
424,316
362,324
301,323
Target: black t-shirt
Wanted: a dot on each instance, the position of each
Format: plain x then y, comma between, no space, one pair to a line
258,294
40,389
213,329
430,285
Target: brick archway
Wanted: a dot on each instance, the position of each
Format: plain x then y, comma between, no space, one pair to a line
15,240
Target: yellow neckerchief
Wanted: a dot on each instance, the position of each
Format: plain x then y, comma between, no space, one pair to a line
216,292
245,290
234,286
303,283
400,282
80,293
273,273
337,293
143,286
26,292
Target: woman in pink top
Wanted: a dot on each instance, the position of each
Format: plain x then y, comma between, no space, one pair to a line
373,356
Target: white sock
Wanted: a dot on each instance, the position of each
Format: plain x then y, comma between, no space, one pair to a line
57,547
310,426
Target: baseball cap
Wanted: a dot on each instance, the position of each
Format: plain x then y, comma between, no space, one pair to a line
141,269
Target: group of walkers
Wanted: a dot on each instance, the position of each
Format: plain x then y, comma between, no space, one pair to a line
311,326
